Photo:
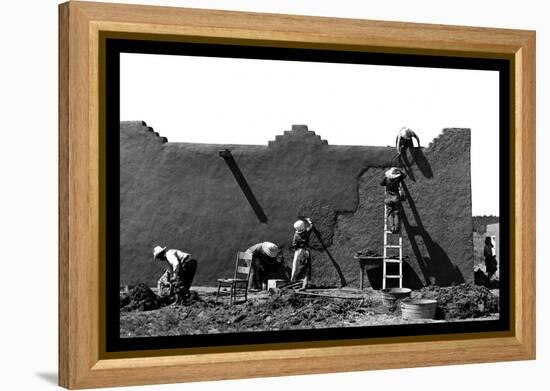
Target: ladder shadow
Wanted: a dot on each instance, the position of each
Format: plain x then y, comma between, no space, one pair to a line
410,278
405,164
417,158
422,163
436,267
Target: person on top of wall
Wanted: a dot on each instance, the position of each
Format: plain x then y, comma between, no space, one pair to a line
266,259
183,270
301,265
490,259
404,140
392,180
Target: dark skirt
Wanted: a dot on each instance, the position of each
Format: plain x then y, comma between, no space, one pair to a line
303,268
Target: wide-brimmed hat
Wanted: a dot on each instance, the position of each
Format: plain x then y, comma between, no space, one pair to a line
393,173
300,226
157,251
270,249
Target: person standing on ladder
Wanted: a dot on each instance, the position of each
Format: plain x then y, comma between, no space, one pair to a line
301,265
392,180
404,140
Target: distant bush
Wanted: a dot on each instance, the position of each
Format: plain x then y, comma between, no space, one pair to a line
480,223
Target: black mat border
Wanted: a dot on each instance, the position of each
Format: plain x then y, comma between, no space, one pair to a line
115,46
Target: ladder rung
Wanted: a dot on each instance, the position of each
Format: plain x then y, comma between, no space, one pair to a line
391,260
393,246
392,276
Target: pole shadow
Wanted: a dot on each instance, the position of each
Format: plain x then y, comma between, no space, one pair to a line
436,267
243,184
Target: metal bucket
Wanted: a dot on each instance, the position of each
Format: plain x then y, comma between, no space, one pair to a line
390,295
418,309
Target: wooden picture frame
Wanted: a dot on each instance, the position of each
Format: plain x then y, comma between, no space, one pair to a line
83,362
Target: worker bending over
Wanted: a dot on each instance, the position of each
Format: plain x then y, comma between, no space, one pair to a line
183,270
301,265
404,140
392,180
266,259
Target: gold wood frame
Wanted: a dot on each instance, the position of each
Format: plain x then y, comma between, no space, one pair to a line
82,360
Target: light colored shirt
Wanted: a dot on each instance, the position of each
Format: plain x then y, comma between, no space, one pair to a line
176,257
406,133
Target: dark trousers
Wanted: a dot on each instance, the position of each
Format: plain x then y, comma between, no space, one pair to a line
184,278
260,269
405,144
393,214
490,266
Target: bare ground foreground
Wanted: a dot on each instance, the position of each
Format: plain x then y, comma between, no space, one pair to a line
144,314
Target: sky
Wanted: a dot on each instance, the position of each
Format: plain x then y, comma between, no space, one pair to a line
244,101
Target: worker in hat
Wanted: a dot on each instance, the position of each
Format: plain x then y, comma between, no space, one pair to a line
183,269
404,140
266,259
301,264
392,180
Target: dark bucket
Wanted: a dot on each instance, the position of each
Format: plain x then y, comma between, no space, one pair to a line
390,295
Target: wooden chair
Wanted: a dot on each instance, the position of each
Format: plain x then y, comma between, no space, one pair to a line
239,283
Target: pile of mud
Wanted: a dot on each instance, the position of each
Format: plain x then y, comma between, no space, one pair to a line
282,311
460,301
480,278
142,298
291,309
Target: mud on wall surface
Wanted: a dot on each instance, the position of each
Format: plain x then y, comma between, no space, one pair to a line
183,195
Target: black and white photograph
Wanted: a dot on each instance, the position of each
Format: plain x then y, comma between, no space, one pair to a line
276,195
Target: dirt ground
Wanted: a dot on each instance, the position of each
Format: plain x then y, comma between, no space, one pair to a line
288,310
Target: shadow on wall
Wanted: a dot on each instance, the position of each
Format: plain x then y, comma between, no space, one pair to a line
410,278
417,158
422,163
436,268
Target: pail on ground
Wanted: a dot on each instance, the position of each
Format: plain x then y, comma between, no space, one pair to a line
275,283
418,309
390,295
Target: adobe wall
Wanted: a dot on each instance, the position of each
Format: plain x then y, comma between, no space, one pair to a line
184,196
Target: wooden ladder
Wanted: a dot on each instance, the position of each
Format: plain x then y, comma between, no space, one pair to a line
386,260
